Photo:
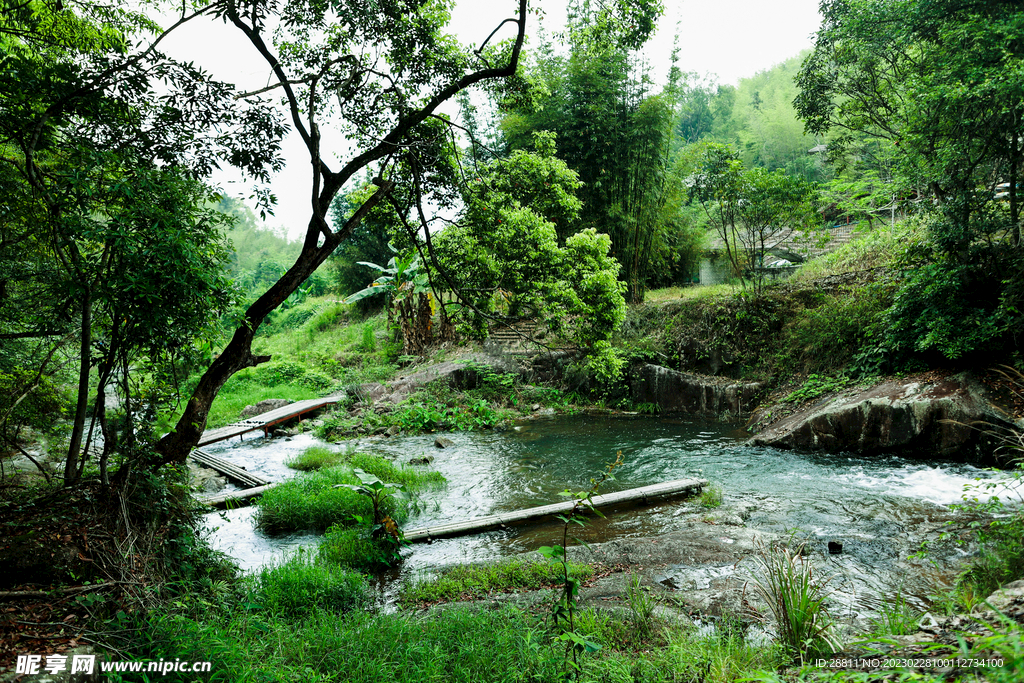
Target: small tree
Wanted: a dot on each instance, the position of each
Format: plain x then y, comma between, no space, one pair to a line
752,210
774,206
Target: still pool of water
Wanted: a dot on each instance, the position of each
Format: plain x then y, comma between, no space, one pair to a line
530,464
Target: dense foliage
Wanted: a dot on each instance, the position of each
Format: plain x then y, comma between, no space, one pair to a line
935,90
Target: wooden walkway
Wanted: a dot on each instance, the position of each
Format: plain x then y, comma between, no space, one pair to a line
644,494
239,475
266,420
254,484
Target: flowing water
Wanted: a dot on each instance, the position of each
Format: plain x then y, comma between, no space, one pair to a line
529,465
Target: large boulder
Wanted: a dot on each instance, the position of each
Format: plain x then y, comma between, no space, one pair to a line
462,373
949,417
680,392
264,407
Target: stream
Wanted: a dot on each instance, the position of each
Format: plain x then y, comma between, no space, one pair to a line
780,492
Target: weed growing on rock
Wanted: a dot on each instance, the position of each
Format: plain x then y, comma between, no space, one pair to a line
796,598
710,497
815,386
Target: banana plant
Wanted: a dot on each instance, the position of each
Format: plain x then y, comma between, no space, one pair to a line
403,277
378,492
404,281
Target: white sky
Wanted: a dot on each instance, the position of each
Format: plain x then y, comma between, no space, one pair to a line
729,39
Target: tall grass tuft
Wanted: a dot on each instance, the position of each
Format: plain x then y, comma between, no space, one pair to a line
796,597
313,501
316,458
300,584
352,547
897,618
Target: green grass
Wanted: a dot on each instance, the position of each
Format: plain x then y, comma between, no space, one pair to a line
474,581
414,479
311,500
240,392
667,294
300,584
316,458
879,248
897,618
797,599
458,645
353,548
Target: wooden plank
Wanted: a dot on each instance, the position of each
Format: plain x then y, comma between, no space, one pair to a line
222,499
266,420
643,494
237,474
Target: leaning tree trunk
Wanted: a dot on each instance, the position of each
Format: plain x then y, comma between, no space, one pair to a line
238,355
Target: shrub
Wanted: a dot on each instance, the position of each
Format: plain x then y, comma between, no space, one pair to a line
290,372
829,334
950,310
300,584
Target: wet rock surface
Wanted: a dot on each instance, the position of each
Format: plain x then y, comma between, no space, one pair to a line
934,418
462,373
206,479
707,568
680,392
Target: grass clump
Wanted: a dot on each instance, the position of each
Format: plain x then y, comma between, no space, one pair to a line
300,585
796,599
354,548
897,617
315,501
710,497
316,458
388,472
311,502
473,581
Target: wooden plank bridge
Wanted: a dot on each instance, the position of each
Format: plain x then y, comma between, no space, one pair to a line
252,484
266,420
